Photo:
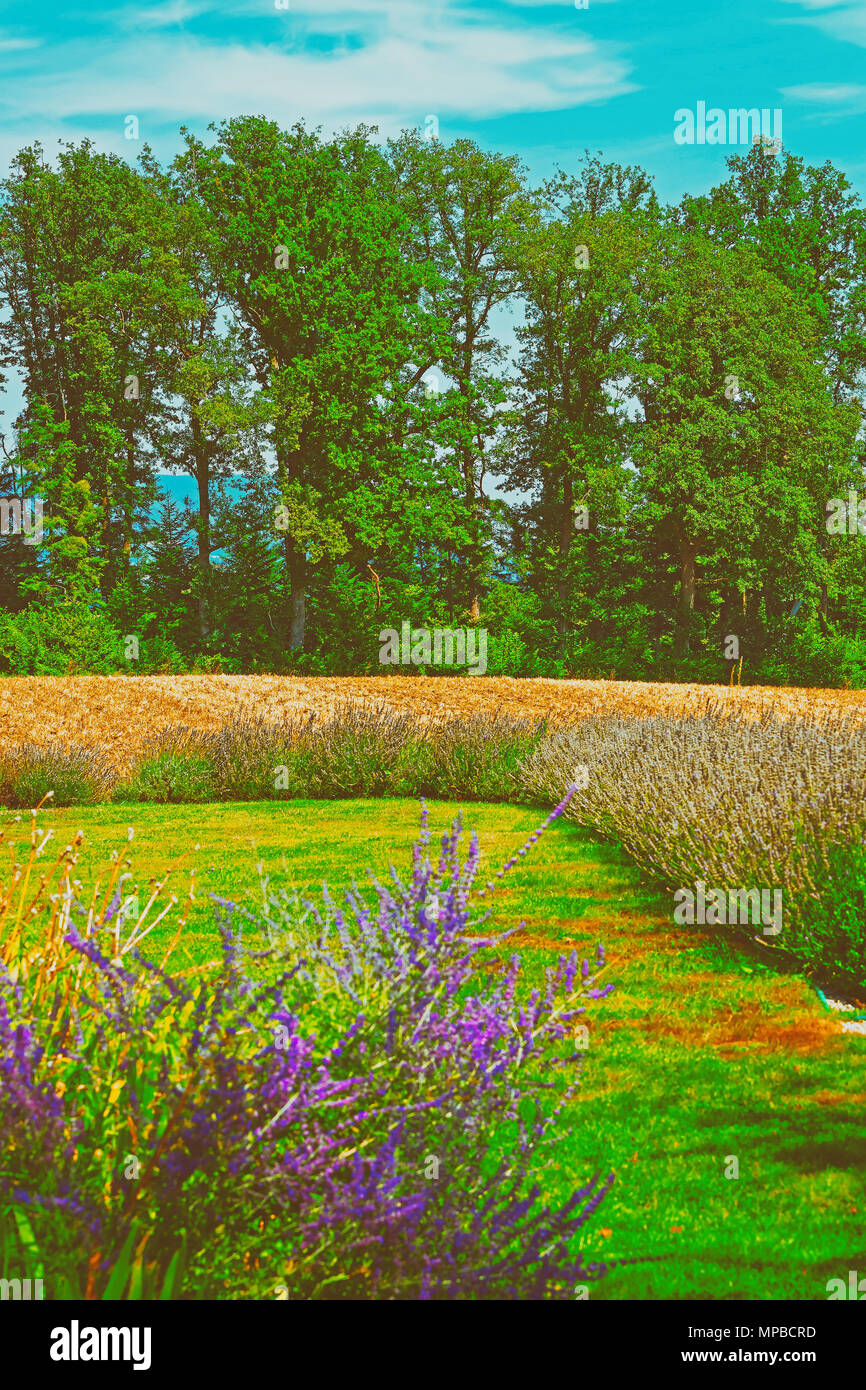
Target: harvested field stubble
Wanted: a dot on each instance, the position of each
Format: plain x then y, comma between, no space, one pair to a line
118,714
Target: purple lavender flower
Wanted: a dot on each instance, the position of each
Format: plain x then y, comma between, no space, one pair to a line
355,1097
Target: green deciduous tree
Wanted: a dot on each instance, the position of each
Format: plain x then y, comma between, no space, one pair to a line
310,258
741,437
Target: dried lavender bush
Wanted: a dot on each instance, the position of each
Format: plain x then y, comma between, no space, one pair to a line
356,751
730,803
78,775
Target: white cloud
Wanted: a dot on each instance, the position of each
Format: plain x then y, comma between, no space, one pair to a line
827,92
846,21
457,65
17,45
836,99
166,16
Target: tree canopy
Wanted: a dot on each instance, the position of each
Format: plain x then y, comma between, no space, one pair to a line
407,385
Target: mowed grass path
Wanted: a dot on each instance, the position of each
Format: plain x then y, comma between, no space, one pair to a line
699,1057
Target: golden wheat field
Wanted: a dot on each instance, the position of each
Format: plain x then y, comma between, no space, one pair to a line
118,713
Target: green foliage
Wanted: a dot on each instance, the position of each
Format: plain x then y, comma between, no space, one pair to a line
169,777
831,924
133,1276
812,658
158,655
307,328
59,638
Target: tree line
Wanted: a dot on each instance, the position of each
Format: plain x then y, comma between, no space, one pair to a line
408,384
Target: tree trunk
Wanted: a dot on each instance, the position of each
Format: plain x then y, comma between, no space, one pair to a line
473,568
296,562
290,469
772,606
822,612
731,616
688,552
127,507
658,629
566,527
450,591
202,477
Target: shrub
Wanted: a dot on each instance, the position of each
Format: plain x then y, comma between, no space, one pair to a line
356,1111
729,803
357,751
57,639
76,776
812,658
157,655
174,768
831,927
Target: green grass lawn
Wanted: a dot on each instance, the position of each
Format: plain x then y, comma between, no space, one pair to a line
700,1056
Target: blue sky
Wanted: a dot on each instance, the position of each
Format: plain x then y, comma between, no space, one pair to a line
540,78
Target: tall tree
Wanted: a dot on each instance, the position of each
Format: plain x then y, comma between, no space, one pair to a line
809,228
81,278
578,253
741,434
466,206
310,259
